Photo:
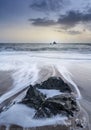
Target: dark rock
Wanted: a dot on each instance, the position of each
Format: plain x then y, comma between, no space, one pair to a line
33,98
54,83
64,104
54,42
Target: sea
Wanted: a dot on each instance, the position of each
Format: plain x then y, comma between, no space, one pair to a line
31,63
59,47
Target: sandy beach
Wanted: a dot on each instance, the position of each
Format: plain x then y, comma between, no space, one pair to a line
7,84
80,74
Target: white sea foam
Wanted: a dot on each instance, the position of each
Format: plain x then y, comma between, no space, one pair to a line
23,116
50,93
28,74
65,73
26,67
22,78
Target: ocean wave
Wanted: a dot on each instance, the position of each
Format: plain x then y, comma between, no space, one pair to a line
79,48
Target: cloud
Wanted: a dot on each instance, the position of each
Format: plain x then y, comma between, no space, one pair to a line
71,32
72,18
67,21
42,22
47,5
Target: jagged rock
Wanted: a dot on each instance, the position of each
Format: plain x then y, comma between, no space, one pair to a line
54,42
54,83
33,98
64,104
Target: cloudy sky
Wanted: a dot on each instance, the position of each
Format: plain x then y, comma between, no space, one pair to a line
45,21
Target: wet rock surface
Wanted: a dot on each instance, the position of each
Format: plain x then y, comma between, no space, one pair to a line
54,83
34,98
63,104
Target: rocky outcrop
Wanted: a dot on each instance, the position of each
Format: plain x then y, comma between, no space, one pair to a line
34,98
54,83
64,104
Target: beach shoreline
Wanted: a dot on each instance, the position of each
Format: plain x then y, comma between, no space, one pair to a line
59,127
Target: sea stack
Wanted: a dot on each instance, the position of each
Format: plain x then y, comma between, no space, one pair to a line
54,42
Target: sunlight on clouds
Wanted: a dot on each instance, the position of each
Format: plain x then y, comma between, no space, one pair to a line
41,34
45,21
31,34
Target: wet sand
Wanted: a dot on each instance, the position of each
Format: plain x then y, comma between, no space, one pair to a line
38,128
6,81
6,84
81,75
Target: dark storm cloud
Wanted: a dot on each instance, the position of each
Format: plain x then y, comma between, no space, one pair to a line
42,22
73,18
69,20
47,5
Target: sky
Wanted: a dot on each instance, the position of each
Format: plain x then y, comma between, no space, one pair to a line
35,21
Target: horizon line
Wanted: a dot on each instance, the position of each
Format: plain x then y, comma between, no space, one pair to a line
44,42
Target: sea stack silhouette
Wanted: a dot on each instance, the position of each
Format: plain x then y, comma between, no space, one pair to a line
54,42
